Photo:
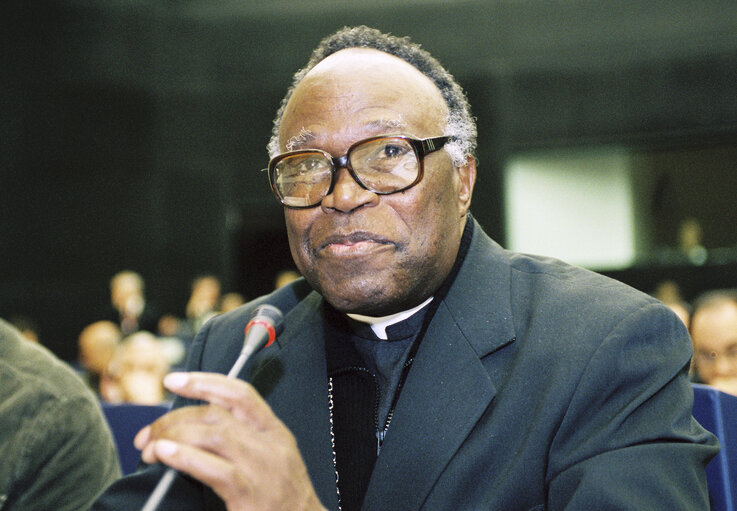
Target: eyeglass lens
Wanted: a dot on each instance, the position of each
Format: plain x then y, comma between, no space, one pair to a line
382,165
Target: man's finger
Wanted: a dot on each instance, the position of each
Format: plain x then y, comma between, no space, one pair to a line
227,439
142,438
217,473
232,394
167,425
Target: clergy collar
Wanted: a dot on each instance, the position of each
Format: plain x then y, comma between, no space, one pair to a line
379,324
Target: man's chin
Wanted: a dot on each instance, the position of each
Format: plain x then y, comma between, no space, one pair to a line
375,291
355,305
366,300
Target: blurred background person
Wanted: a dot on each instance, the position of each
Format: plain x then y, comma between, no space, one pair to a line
284,277
204,301
97,344
27,328
691,239
137,371
56,448
174,338
129,306
682,310
669,292
231,301
714,335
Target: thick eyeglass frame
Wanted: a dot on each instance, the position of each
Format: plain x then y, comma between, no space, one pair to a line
421,147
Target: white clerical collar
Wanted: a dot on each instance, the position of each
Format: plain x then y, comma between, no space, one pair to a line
378,325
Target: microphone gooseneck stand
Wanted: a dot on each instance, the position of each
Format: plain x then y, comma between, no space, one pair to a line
261,331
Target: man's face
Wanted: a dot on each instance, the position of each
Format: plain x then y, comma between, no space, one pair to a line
714,334
368,253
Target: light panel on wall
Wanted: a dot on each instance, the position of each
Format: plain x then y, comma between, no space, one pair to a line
574,205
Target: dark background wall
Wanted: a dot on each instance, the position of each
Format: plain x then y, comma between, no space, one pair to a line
132,132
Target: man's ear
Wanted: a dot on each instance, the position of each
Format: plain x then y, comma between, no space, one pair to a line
467,175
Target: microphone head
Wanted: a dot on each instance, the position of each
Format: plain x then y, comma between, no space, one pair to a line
268,317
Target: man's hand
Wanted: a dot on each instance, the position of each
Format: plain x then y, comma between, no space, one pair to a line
235,445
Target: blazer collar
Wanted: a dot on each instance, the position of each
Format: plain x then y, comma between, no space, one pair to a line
480,297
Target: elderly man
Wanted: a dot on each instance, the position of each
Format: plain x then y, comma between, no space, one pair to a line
421,365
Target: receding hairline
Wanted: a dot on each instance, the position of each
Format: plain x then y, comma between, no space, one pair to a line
305,137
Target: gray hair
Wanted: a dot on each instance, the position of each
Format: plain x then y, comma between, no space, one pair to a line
460,124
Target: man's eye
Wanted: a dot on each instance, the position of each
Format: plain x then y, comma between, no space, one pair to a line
307,166
393,151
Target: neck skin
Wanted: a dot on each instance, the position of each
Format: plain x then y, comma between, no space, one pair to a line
379,324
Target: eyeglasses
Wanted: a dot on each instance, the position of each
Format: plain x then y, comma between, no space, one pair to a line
382,165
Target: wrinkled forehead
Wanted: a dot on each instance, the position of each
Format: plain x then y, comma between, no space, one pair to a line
361,91
307,138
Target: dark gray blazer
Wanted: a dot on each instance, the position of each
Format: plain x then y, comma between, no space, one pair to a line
538,385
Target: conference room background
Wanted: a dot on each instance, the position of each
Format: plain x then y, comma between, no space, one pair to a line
133,134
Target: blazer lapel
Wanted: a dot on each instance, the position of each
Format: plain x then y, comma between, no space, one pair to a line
448,387
435,413
291,376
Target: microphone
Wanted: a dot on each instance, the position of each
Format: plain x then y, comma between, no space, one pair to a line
265,324
263,327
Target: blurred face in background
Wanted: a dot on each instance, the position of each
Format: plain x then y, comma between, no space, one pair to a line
126,293
137,371
97,344
204,298
714,334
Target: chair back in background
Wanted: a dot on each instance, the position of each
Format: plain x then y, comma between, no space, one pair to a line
717,412
125,421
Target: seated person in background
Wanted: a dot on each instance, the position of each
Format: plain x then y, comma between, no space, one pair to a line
714,335
26,326
137,371
97,344
421,366
56,450
130,309
284,277
681,310
669,292
204,301
231,301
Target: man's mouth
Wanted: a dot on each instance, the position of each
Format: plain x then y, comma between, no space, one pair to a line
353,244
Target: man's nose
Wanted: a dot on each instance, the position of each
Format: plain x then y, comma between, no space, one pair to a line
347,194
